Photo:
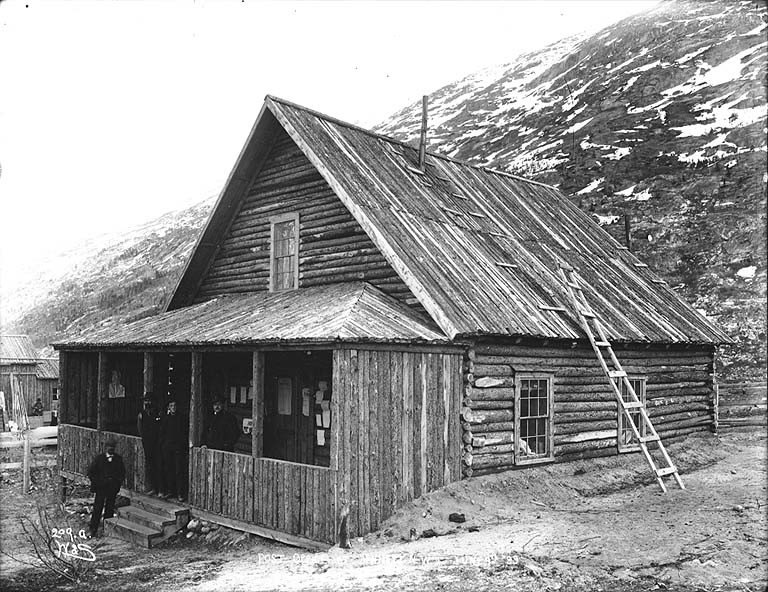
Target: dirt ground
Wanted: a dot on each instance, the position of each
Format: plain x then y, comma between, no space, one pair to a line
591,525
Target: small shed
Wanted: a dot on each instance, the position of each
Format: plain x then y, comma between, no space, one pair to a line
382,327
36,377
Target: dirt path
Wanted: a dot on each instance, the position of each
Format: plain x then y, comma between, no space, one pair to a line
581,526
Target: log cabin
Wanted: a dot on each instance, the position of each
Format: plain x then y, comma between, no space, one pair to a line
383,325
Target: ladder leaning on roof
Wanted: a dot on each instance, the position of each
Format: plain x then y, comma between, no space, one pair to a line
613,370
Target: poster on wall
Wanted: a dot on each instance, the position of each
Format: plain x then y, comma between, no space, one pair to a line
284,391
116,390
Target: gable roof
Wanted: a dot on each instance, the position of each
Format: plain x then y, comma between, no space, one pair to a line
48,368
479,248
17,349
337,312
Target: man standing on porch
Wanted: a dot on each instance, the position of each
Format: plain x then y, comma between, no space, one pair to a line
106,473
148,426
173,446
223,429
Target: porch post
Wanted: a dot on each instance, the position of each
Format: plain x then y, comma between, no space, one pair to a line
196,401
149,384
64,369
257,444
101,392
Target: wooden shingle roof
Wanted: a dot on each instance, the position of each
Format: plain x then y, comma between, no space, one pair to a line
479,248
17,349
47,368
338,312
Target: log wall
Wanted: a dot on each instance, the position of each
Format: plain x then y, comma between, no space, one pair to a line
679,398
396,430
290,497
333,248
77,446
742,404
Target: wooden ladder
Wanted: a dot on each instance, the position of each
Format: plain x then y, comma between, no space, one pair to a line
616,375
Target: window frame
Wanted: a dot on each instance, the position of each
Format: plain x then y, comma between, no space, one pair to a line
550,378
643,380
273,222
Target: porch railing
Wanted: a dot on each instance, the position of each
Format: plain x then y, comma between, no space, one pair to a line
78,445
290,497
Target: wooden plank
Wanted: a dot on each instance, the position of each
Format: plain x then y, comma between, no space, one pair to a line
365,453
407,427
353,403
396,406
257,443
423,430
261,531
374,439
101,393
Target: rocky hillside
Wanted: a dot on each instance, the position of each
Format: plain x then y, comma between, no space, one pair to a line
659,120
114,279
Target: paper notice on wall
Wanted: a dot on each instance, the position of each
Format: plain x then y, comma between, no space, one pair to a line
247,425
322,385
249,393
305,405
233,395
284,392
326,418
321,437
243,394
318,396
318,420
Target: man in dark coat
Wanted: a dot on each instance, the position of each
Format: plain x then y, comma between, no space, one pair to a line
107,473
173,448
148,426
223,429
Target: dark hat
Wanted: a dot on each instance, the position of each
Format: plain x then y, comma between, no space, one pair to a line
111,443
218,399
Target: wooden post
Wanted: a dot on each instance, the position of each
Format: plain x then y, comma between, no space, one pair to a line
149,384
63,490
26,464
627,231
423,139
195,421
101,391
64,394
257,435
196,401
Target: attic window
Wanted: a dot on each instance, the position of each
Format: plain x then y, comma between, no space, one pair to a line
284,252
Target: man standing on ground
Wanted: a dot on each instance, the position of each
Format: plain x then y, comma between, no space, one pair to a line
223,429
148,426
107,473
173,447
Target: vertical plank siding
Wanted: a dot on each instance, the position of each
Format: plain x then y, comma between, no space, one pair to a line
271,493
679,398
78,445
399,411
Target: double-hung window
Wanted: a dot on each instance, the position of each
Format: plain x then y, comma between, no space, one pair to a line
284,252
627,440
533,418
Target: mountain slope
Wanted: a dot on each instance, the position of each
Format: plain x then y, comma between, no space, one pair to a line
659,120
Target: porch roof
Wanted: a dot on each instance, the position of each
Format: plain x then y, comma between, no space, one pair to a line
338,312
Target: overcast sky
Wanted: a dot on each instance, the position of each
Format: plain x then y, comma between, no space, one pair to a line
113,113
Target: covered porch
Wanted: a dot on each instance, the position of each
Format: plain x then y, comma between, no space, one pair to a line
347,402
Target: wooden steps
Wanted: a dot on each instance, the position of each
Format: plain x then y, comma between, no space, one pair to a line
148,521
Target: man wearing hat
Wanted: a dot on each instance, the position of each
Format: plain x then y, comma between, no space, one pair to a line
223,430
107,473
148,426
173,450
